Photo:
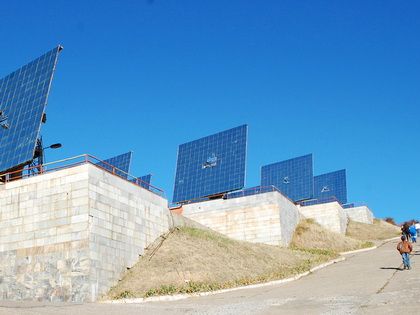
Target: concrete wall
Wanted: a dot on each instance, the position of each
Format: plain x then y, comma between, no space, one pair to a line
331,216
70,234
124,220
269,218
360,214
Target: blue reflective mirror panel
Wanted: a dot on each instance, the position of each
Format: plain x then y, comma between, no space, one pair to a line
332,184
23,97
293,177
211,165
145,180
121,162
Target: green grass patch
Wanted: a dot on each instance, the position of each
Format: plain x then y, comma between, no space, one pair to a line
220,240
125,295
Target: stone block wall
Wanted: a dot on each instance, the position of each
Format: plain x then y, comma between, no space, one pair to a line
360,214
330,215
70,234
124,219
44,247
269,218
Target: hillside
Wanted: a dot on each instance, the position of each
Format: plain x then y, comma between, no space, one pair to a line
310,234
379,230
193,260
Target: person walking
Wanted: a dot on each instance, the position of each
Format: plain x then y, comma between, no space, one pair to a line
413,233
405,248
406,231
417,225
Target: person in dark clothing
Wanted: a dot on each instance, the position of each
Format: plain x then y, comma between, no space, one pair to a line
406,231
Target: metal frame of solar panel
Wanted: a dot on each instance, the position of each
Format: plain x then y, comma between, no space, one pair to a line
121,162
293,177
332,184
23,98
211,166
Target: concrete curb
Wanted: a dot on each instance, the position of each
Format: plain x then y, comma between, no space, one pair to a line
185,296
359,250
370,248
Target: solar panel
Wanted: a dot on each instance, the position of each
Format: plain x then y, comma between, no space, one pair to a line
293,177
332,184
144,181
121,162
211,165
23,97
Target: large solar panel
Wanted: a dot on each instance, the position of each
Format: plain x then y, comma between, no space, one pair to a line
121,162
211,165
293,177
23,97
332,184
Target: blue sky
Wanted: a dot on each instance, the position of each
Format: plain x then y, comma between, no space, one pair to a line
339,79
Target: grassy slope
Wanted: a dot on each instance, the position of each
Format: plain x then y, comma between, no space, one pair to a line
379,230
310,234
191,260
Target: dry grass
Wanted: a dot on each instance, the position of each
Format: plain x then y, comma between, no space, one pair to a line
192,260
310,234
209,259
379,230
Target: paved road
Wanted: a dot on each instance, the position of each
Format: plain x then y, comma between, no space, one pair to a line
370,282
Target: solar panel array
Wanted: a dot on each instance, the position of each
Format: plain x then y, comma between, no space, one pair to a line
205,167
332,184
211,165
121,163
23,97
293,177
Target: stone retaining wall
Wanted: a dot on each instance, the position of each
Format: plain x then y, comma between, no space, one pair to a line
69,235
360,214
269,218
330,215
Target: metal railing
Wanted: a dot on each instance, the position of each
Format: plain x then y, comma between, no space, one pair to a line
253,191
354,205
76,161
319,201
230,195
